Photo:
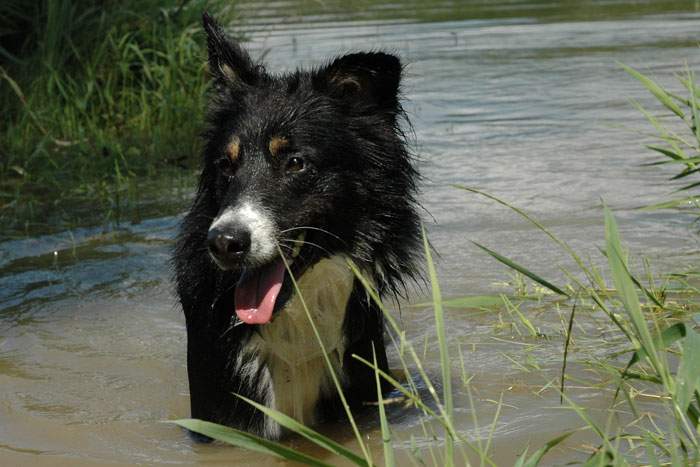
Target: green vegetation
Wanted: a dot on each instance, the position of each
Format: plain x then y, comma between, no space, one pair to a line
654,329
96,96
679,140
654,336
101,95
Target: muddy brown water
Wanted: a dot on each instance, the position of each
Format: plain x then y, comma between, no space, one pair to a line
523,99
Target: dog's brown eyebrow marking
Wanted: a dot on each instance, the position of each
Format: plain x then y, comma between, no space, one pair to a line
277,144
233,148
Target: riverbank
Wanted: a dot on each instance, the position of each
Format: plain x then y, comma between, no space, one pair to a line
99,98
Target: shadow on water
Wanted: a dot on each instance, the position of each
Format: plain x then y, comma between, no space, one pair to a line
522,99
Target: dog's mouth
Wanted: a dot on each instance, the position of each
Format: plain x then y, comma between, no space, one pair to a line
257,292
262,291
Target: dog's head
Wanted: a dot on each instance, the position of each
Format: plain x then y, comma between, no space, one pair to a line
302,166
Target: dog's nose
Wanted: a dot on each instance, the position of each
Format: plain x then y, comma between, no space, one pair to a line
230,245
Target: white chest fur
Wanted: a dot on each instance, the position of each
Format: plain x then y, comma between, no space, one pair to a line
296,372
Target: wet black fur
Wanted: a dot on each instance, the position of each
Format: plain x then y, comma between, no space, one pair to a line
344,119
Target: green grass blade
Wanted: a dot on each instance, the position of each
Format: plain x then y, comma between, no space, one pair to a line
688,377
674,203
666,152
688,187
658,92
686,161
415,399
534,460
694,104
329,364
626,289
609,449
665,339
565,359
389,460
248,441
520,461
687,171
526,272
565,246
523,319
445,363
442,418
312,435
668,337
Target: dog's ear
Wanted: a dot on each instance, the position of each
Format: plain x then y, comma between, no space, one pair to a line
372,78
228,62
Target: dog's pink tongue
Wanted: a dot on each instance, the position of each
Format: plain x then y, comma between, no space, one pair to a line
256,295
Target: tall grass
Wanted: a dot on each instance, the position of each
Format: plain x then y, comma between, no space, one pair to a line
658,335
678,134
95,93
662,345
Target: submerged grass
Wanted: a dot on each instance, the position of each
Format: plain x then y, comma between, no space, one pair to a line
96,96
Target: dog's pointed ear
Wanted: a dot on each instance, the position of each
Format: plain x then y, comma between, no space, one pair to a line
371,78
228,61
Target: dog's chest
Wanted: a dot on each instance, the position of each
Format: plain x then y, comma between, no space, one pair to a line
296,372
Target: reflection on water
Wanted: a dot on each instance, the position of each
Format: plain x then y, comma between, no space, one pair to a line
523,99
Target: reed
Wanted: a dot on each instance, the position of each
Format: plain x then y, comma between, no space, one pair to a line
96,97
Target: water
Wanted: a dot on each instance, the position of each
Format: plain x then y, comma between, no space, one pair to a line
522,99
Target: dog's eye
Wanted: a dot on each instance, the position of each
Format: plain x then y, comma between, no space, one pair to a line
226,166
295,164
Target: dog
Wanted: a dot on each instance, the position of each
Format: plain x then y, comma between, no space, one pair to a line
303,173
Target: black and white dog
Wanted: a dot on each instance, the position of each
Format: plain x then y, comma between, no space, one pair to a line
309,169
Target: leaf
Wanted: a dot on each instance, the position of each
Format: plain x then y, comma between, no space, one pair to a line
626,288
535,459
247,441
688,187
302,430
567,343
666,152
686,161
389,460
674,203
688,377
694,103
601,458
686,172
668,337
656,90
664,340
511,264
445,363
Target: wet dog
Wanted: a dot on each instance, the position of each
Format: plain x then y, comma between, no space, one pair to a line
302,172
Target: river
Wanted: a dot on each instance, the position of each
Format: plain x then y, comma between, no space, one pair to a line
523,99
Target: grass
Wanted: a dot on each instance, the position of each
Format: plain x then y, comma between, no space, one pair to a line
678,141
97,97
92,93
655,347
661,345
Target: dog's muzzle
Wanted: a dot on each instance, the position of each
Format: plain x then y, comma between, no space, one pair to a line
229,247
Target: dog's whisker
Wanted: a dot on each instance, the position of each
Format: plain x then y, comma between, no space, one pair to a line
221,294
306,227
305,242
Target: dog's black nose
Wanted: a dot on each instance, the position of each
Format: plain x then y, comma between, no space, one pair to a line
229,245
